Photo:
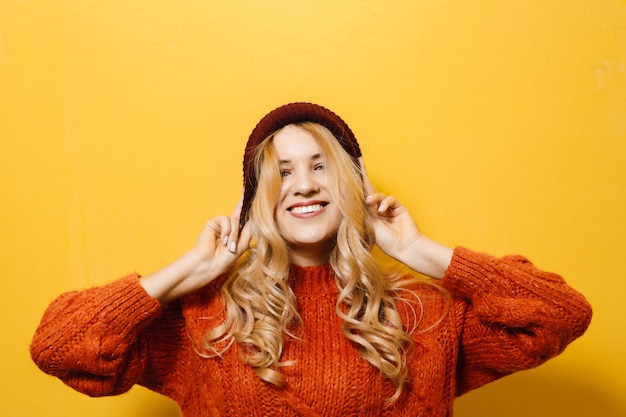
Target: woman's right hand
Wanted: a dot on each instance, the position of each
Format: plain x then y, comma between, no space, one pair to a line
220,242
218,246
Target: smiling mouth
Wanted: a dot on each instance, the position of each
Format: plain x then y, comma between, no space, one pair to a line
307,209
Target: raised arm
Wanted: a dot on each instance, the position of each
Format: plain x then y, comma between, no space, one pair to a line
511,315
398,236
100,340
91,340
219,244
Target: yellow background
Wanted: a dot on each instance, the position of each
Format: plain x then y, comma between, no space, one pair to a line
502,125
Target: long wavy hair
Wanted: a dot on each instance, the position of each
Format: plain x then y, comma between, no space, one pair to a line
260,305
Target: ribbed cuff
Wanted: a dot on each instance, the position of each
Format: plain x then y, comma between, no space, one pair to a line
128,299
472,273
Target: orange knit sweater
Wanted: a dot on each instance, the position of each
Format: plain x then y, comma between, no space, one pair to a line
505,315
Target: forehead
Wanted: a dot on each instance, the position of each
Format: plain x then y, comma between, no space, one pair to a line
293,142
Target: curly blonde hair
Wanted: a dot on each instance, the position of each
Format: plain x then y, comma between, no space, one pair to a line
261,307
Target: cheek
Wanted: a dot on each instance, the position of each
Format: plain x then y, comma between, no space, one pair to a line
283,191
338,218
280,204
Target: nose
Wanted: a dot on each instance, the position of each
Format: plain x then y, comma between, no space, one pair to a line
305,183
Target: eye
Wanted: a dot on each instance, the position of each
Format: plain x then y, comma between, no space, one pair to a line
319,167
284,173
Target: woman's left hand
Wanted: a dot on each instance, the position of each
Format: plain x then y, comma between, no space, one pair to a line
394,227
398,236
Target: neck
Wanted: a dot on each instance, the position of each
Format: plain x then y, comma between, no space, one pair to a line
313,255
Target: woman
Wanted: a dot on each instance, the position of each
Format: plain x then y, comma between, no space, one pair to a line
280,309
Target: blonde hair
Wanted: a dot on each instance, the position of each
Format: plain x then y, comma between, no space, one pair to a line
261,307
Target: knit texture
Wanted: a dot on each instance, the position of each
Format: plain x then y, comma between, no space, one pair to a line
504,315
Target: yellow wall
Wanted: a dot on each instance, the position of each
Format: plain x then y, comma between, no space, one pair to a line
501,124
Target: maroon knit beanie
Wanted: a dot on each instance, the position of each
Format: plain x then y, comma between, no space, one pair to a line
283,116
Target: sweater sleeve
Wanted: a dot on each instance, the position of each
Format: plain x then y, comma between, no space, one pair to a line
95,340
512,316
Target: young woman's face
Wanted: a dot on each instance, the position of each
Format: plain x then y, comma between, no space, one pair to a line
306,213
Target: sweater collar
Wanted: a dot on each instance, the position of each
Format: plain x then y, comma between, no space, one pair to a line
311,281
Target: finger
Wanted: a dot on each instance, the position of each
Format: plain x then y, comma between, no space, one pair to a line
233,235
374,199
223,228
230,240
216,228
387,204
238,208
245,236
367,184
382,204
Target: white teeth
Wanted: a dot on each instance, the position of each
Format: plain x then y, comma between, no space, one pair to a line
306,209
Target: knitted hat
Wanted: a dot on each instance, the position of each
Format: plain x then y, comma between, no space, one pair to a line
283,116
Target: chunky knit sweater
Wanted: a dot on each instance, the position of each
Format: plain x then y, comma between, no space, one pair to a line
501,316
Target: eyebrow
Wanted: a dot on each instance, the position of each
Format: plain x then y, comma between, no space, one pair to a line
313,158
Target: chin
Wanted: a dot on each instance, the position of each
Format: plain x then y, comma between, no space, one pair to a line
311,241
